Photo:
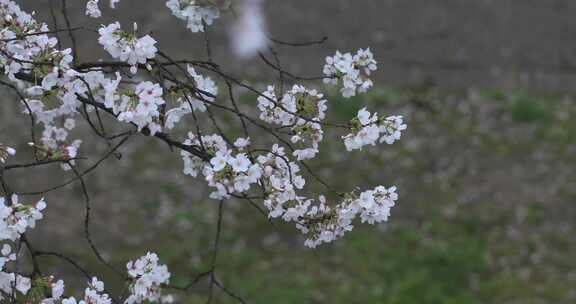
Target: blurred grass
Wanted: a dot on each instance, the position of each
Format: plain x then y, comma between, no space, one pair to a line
428,256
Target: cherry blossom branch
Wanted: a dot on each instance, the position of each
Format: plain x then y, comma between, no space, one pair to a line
152,96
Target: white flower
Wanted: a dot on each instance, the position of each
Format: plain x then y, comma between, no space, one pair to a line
23,284
149,96
382,200
368,129
391,129
92,9
148,278
351,71
225,172
70,123
206,92
127,46
242,143
366,199
365,117
142,109
219,161
195,13
69,301
300,109
97,285
57,289
240,163
16,218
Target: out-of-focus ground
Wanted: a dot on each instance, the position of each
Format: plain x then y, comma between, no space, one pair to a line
485,171
451,43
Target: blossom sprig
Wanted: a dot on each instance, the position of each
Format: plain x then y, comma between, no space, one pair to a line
127,46
281,179
368,129
16,218
196,13
7,255
46,290
148,276
351,71
93,9
228,173
142,106
11,282
22,48
206,92
52,94
53,150
300,109
93,294
323,223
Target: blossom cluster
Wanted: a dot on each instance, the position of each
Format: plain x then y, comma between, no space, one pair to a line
279,177
196,13
325,223
53,100
368,128
206,92
301,110
93,9
141,106
93,294
281,181
53,95
126,46
319,221
11,281
352,71
15,219
227,172
148,277
5,152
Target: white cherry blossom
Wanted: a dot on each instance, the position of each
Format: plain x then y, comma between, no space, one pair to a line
352,71
148,277
196,13
126,46
368,129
